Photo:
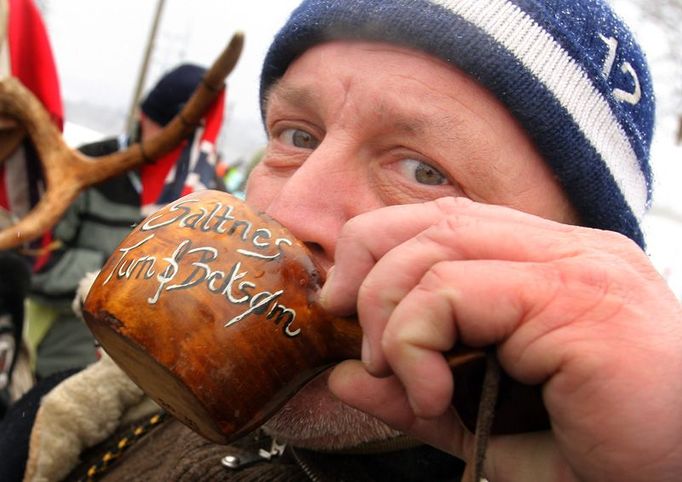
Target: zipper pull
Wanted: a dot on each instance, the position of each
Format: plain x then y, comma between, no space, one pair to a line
276,450
244,459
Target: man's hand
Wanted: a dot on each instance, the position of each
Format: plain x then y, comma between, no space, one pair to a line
581,311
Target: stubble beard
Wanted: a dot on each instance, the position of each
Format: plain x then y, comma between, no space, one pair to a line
316,419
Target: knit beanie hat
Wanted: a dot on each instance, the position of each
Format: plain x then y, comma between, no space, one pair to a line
171,93
570,72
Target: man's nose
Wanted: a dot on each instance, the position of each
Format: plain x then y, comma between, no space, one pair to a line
315,202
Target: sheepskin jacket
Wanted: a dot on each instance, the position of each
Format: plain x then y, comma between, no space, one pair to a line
98,425
172,452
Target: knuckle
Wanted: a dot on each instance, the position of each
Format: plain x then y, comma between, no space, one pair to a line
396,343
437,276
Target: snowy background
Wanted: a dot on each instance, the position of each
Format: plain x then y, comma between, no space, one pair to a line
99,48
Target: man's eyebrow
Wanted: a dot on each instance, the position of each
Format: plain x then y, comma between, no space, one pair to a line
400,122
288,94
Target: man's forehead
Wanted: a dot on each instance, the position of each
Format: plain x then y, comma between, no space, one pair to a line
384,73
387,107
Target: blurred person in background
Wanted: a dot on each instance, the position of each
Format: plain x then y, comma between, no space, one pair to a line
25,54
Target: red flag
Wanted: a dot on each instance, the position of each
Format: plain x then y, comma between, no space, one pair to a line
31,56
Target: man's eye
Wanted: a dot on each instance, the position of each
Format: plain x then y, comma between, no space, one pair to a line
422,172
299,138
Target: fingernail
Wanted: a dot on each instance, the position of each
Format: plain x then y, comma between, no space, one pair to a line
366,354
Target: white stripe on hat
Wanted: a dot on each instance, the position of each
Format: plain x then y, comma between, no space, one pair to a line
535,48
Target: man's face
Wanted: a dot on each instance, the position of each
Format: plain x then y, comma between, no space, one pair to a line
354,127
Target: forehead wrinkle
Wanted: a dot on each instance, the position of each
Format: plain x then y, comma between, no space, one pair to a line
428,116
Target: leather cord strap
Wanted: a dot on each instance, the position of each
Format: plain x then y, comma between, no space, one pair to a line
486,414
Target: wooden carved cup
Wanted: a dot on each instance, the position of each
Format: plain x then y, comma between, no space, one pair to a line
212,310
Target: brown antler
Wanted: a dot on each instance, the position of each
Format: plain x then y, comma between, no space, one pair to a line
67,172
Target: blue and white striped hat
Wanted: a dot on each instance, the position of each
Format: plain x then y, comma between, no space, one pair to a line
569,70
